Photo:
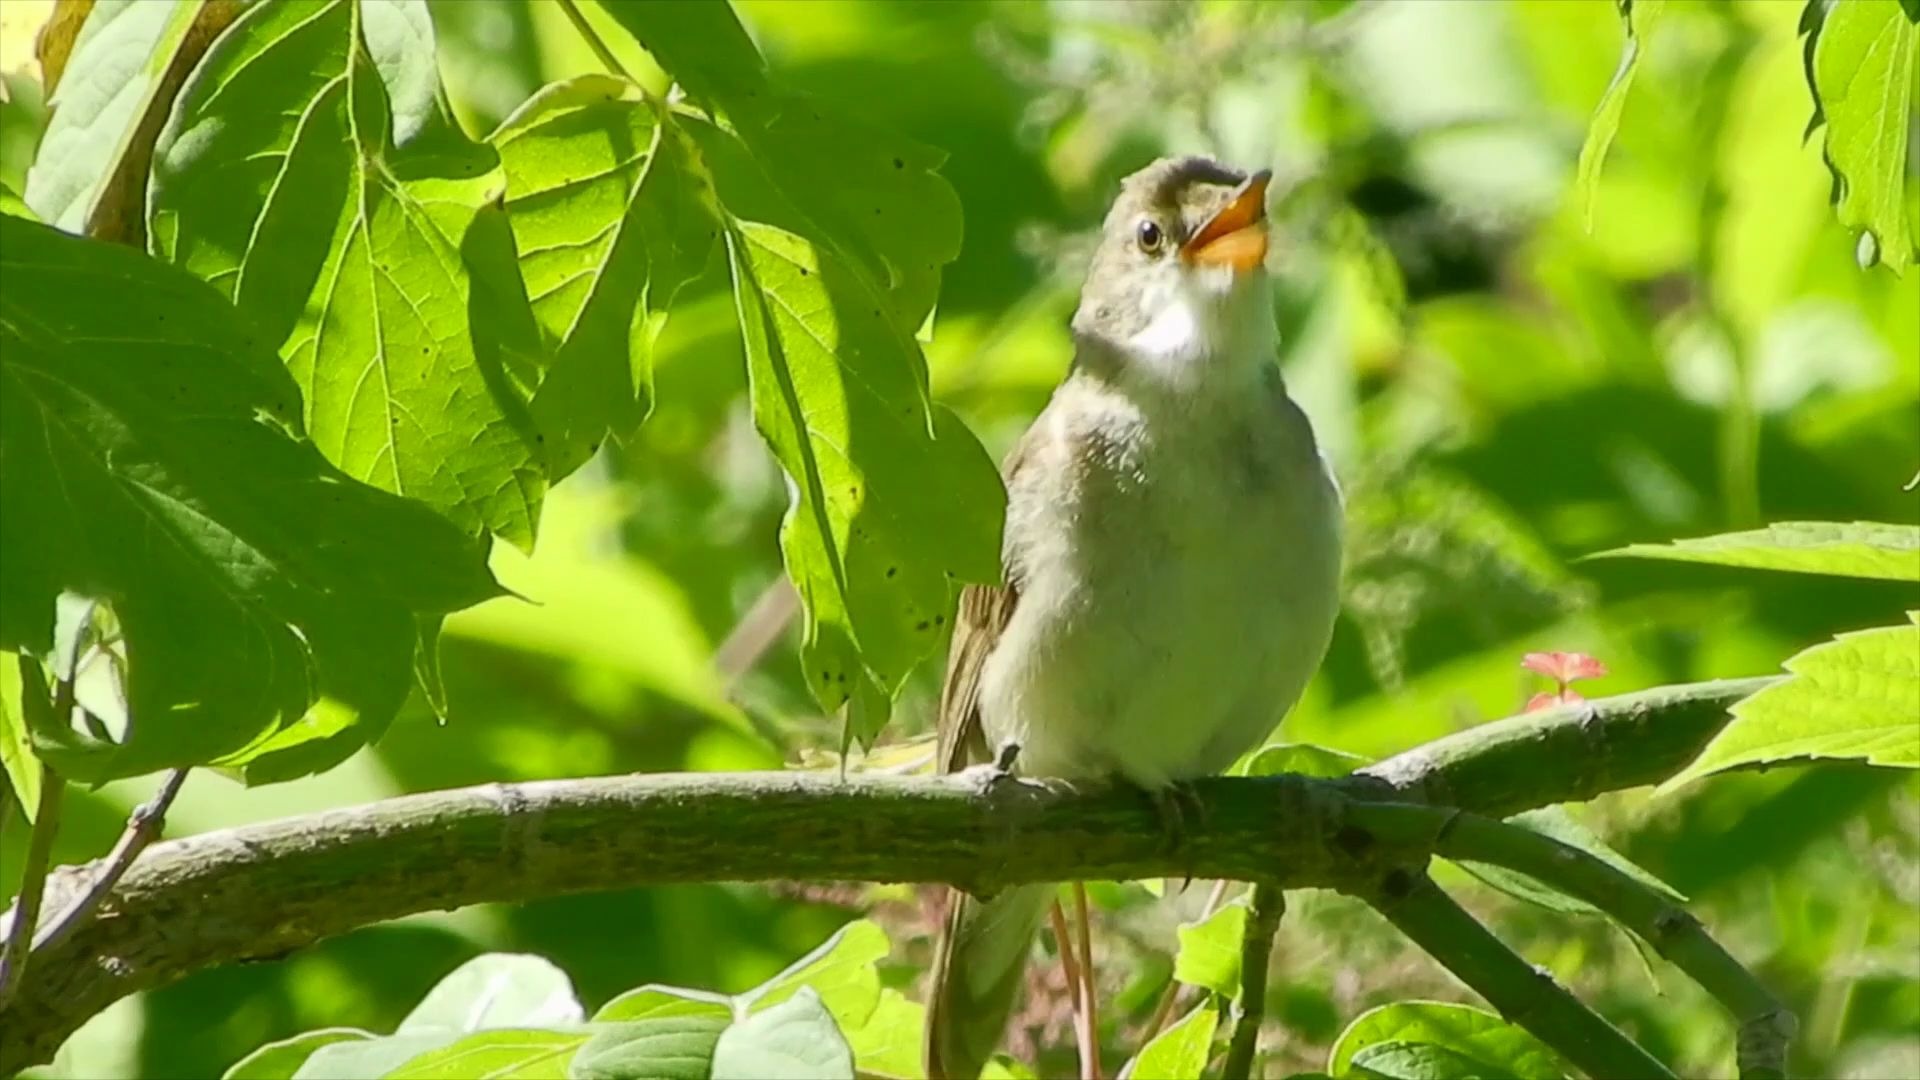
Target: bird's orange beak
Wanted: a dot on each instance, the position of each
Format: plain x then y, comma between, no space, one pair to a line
1236,236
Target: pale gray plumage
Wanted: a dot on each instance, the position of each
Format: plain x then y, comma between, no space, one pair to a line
1171,560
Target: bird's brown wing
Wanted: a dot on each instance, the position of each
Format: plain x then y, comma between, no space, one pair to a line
984,613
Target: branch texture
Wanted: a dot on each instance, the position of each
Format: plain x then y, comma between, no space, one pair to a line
264,890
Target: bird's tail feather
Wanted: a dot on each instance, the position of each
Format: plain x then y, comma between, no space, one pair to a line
976,975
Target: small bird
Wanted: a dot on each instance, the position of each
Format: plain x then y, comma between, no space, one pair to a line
1171,556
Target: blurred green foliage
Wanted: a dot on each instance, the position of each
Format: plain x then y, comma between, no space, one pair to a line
1501,389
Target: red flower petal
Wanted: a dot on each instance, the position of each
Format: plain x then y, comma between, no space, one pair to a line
1563,667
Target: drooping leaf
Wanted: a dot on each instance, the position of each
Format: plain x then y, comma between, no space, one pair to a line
1472,1033
128,61
497,990
1637,18
513,1054
1181,1050
1856,696
1863,67
1863,549
310,173
840,972
663,1046
17,761
607,230
282,1059
796,1039
265,581
894,502
1209,953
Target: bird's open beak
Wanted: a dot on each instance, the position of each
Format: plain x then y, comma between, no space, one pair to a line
1236,236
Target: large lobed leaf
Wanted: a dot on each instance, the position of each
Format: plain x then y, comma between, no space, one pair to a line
310,173
1865,549
1863,67
1857,696
150,457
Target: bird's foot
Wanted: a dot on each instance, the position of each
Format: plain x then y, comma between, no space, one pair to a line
989,775
1179,809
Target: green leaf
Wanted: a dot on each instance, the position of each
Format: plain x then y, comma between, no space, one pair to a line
703,46
1301,759
607,230
1559,823
370,1057
496,990
266,581
841,972
651,1002
1477,1035
529,1054
665,1046
1853,697
1637,17
13,205
1209,953
113,86
1865,79
281,1060
894,502
20,767
1863,549
1424,1061
889,1043
1181,1050
309,172
796,1040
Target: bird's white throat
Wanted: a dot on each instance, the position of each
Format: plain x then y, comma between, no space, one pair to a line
1207,327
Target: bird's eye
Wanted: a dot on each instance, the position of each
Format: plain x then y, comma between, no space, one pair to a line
1149,236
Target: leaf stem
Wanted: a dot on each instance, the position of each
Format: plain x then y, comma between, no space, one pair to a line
1268,904
143,828
594,42
46,821
1527,995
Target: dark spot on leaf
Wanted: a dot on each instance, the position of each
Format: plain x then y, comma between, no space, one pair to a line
892,570
1397,884
539,438
939,620
804,272
922,625
1353,840
898,164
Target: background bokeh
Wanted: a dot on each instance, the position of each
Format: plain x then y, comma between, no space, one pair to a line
1501,388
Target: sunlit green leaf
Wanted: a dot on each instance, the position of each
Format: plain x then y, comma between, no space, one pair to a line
663,1046
21,767
796,1039
1637,19
894,502
1209,953
496,990
309,172
268,581
889,1042
840,973
1865,549
1856,696
653,1002
1481,1037
281,1060
1300,759
597,192
370,1057
1180,1050
1863,70
1423,1061
530,1054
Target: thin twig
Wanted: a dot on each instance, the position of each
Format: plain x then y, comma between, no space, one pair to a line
1070,968
46,820
1269,903
756,632
1524,994
143,827
1090,1024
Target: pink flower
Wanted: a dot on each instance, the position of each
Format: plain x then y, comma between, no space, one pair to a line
1548,701
1564,667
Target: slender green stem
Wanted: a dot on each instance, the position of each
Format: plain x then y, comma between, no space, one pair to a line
1268,904
1527,995
18,949
1766,1027
592,37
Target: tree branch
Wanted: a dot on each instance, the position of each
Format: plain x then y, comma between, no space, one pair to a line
1524,994
264,890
